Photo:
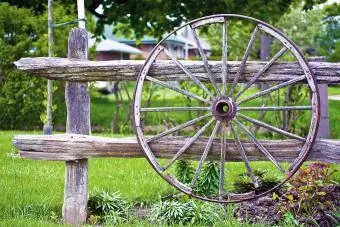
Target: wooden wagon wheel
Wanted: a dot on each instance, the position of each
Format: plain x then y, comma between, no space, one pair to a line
219,100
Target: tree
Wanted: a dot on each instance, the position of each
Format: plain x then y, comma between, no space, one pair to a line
21,97
159,17
148,17
328,42
24,34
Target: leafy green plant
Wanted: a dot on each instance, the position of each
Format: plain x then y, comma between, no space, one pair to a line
115,217
209,179
170,212
176,212
107,207
206,213
243,183
184,171
207,183
289,220
310,196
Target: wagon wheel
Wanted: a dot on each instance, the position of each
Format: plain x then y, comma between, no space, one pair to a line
219,100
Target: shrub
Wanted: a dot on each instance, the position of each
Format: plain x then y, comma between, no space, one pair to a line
311,196
243,183
107,207
21,101
21,97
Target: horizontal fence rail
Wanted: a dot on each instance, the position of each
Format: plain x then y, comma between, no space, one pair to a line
84,70
64,147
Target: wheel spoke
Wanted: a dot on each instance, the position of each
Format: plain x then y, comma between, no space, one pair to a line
244,60
273,108
187,72
240,148
188,144
224,58
177,128
169,109
274,88
271,128
223,154
259,146
205,153
205,60
179,90
262,70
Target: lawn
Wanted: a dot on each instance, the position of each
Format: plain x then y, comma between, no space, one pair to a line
32,191
102,108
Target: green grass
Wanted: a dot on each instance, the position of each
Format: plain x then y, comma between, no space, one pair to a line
334,90
334,118
32,191
102,109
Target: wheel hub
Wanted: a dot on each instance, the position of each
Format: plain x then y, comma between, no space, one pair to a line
223,108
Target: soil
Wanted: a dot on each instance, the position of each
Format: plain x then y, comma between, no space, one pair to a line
261,210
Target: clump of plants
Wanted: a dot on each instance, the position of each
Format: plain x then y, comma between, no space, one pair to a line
107,208
207,183
177,212
311,197
243,183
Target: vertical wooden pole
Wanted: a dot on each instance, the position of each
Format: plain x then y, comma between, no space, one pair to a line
323,131
264,47
48,125
78,121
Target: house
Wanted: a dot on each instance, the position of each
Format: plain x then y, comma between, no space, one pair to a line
176,44
108,49
181,46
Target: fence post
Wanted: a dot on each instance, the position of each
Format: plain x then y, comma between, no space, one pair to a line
78,121
323,131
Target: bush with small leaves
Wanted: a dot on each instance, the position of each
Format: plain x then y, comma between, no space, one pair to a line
311,197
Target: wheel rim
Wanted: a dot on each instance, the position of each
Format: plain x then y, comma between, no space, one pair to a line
225,109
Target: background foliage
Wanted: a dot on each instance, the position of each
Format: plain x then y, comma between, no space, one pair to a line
21,97
23,33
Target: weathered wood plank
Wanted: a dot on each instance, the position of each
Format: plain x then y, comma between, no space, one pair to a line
78,121
84,70
73,146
